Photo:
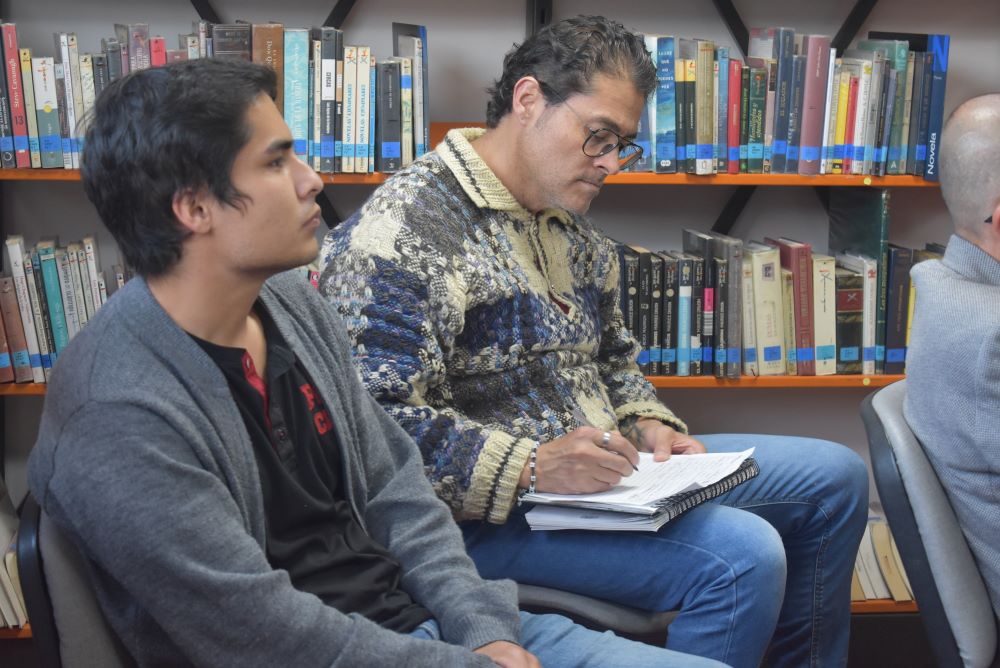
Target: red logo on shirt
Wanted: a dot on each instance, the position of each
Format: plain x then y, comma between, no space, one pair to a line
321,417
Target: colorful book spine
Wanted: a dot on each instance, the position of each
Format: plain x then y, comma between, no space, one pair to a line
704,114
53,295
733,117
406,108
363,117
850,320
16,341
722,128
814,109
15,96
824,314
296,53
15,250
47,112
667,151
783,52
350,106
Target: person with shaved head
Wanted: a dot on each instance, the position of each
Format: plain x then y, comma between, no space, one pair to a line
953,364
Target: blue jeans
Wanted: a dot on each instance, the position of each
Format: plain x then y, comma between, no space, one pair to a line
559,643
764,569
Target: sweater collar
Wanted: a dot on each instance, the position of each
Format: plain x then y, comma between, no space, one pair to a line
473,174
481,184
971,261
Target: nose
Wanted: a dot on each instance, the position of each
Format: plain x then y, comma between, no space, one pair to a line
609,162
309,182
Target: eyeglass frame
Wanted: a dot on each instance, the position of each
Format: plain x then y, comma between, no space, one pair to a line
620,145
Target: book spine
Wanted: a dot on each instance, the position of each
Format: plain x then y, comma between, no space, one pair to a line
795,115
861,118
768,312
734,116
16,339
93,271
920,154
824,315
8,155
81,282
900,261
113,52
338,147
15,91
722,306
350,106
100,63
788,320
817,73
15,249
64,132
655,315
27,79
666,144
722,127
684,288
784,49
697,313
73,77
874,110
704,118
267,47
363,96
296,52
843,98
851,124
850,321
904,135
328,98
388,117
406,108
751,366
47,112
691,112
772,82
157,51
668,335
40,310
755,120
87,91
6,361
371,115
316,104
71,306
829,119
938,45
53,297
805,355
420,138
744,120
680,115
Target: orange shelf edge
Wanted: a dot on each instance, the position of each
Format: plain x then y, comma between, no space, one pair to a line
860,381
882,606
22,633
22,389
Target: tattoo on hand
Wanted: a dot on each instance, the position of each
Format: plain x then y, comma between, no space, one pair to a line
631,430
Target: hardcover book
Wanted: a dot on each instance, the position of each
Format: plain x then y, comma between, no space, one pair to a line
388,118
824,314
400,31
17,344
667,103
796,256
850,320
764,264
267,47
817,72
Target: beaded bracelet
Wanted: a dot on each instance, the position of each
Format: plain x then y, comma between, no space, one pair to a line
532,472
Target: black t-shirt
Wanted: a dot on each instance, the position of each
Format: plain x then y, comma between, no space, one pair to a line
311,529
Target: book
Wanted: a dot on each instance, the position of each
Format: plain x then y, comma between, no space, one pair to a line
750,366
734,116
828,135
6,359
768,321
882,541
721,109
668,316
643,297
685,281
17,344
15,96
406,109
795,114
817,72
723,305
30,108
867,268
704,105
8,159
388,118
665,137
937,45
412,47
698,279
296,79
824,314
53,294
9,599
859,224
797,258
229,40
363,115
897,301
850,320
728,353
869,561
267,47
399,31
699,244
649,498
783,52
15,250
757,98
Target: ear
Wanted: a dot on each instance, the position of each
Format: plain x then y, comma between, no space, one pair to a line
191,210
528,102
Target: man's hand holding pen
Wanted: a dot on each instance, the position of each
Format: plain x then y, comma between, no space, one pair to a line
583,461
649,435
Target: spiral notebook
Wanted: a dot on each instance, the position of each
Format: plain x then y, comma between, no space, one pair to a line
645,501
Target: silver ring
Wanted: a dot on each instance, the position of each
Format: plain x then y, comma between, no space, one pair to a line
605,439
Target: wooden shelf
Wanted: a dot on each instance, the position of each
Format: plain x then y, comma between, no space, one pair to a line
882,606
638,178
16,634
22,389
647,178
775,381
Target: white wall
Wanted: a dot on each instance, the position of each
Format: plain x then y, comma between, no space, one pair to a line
467,39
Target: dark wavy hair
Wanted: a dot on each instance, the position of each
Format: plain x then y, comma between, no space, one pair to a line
565,56
160,131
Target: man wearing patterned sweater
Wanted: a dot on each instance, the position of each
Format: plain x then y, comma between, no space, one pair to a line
484,312
953,362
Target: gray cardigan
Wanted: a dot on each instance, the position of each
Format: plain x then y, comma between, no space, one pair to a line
143,458
953,390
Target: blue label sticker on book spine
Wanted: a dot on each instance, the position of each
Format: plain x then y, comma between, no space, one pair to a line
391,149
879,353
21,143
47,361
744,151
755,151
4,360
734,153
921,152
868,354
895,355
35,360
655,355
859,152
707,354
52,143
338,149
406,81
67,146
838,152
643,357
849,354
6,143
327,149
668,355
824,353
790,355
362,151
21,358
300,146
33,144
681,153
732,355
805,354
895,153
772,353
767,151
810,153
780,147
703,151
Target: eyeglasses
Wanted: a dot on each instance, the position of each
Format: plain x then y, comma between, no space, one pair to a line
602,141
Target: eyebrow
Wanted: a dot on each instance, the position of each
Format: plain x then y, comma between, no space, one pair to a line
612,125
279,146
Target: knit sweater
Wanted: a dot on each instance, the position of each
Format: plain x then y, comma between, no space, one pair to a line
144,460
482,328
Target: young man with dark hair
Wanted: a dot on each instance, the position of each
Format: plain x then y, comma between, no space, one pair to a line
953,360
238,496
483,307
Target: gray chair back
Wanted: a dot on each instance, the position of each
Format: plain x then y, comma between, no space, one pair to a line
67,625
954,603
